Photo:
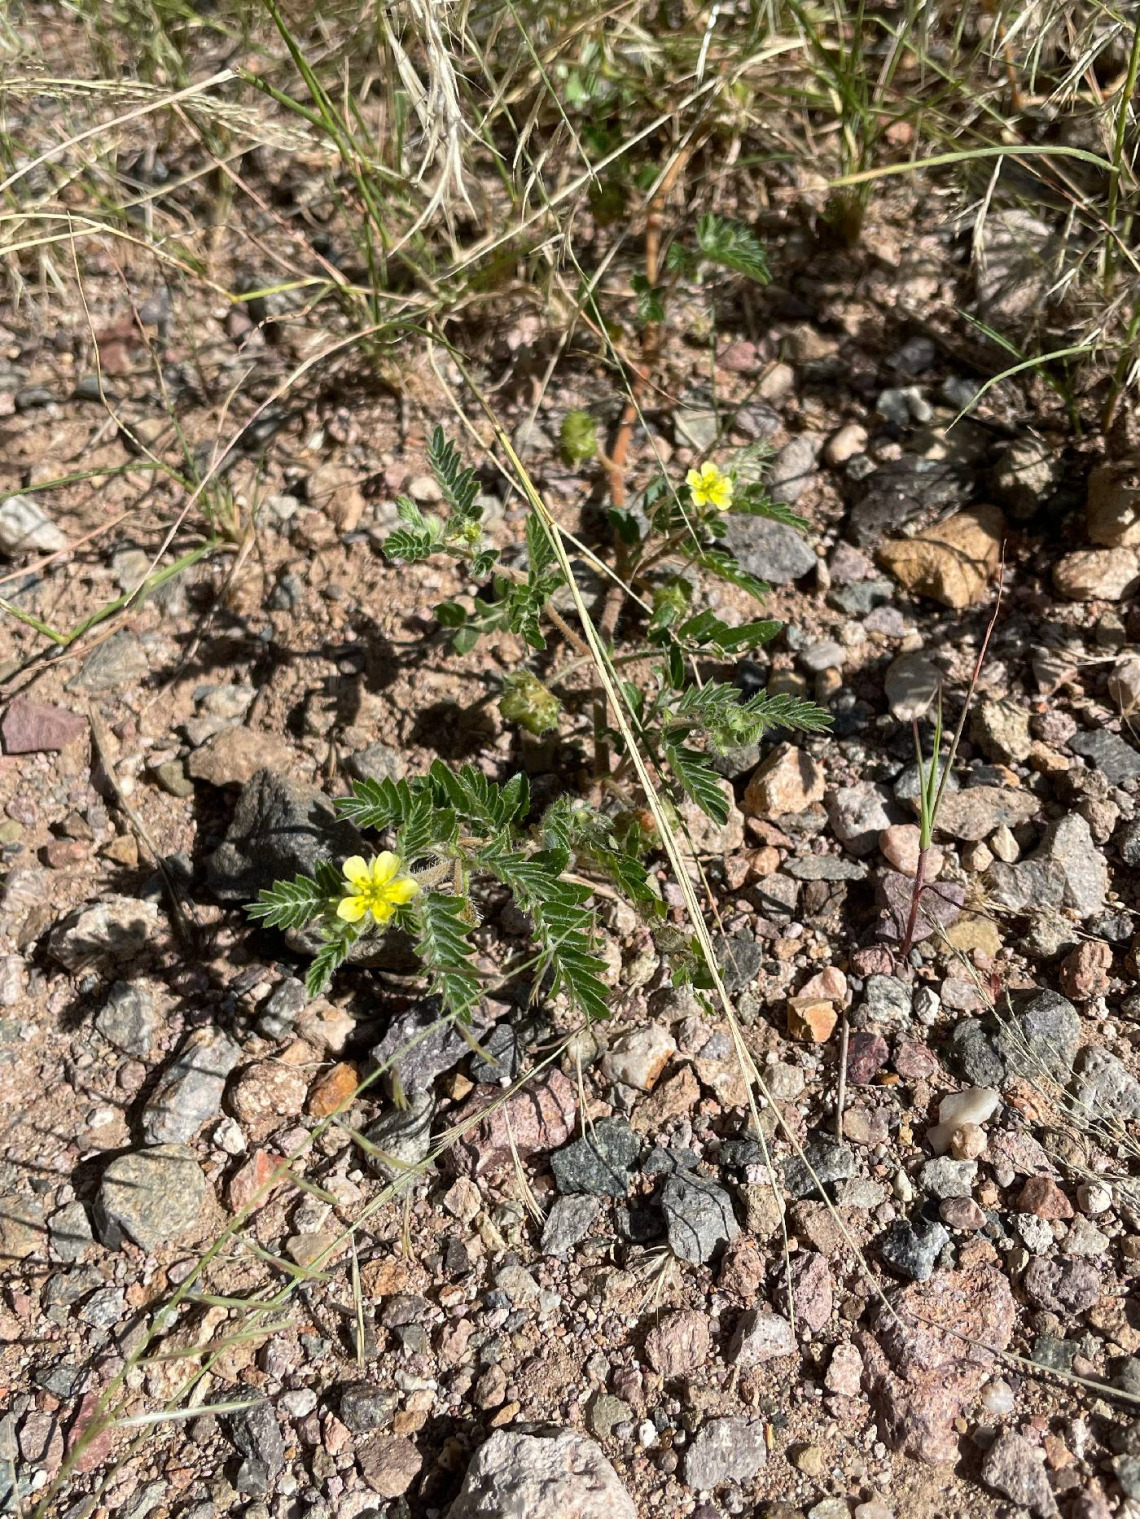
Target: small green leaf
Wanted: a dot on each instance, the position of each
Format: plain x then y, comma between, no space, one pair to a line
460,486
726,566
733,246
697,779
447,953
290,904
650,305
330,957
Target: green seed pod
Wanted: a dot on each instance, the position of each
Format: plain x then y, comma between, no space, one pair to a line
578,438
526,701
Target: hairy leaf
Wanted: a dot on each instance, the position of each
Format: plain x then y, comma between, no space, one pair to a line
697,778
330,957
375,804
447,953
733,246
290,904
459,486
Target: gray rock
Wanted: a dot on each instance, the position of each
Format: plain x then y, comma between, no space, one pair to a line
973,1051
376,762
153,1197
773,551
723,1451
1016,266
128,1019
944,1177
887,1000
22,1232
1016,1469
1065,870
419,1045
1104,1085
741,960
1112,755
364,1408
281,1009
402,1138
913,1249
822,1161
111,931
824,867
793,468
698,1217
760,1336
190,1091
567,1223
938,905
904,491
25,528
256,1433
113,666
1061,1286
976,812
1042,1036
861,598
281,828
69,1231
825,655
911,683
600,1163
1024,476
558,1474
504,1056
859,814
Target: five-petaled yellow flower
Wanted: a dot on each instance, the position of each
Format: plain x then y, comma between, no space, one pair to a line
377,887
710,486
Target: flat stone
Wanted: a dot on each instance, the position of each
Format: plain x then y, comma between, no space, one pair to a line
858,815
679,1345
1097,574
912,682
741,960
22,1230
824,867
788,781
1103,1085
1116,759
189,1092
235,755
401,1138
1016,1469
568,1222
418,1046
823,1162
36,728
111,931
113,666
905,490
952,561
154,1197
723,1451
389,1464
975,812
128,1019
600,1163
558,1474
772,551
698,1217
25,528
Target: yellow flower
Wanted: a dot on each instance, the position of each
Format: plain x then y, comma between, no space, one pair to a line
710,486
377,887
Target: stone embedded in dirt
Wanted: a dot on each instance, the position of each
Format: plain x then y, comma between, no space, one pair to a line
36,728
1042,1197
679,1345
1097,574
760,1336
867,1054
70,1233
535,1121
1116,759
905,490
886,1000
1016,1469
267,1091
363,1407
22,1231
772,551
938,907
256,1433
943,1177
189,1092
811,1019
401,1138
334,489
1112,506
792,470
788,782
1025,475
568,1222
111,931
912,682
901,844
1016,266
1001,730
128,1018
962,1213
1070,1286
112,667
233,756
976,1106
419,1045
912,1249
741,960
25,528
1042,1036
281,828
809,1280
1086,971
824,867
975,812
333,1089
1104,1086
951,562
929,1351
698,1217
601,1162
722,1451
637,1058
822,1163
154,1197
558,1474
389,1464
859,814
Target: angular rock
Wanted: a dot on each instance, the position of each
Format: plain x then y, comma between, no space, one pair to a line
128,1019
154,1197
113,666
698,1217
638,1058
951,562
809,1286
190,1091
760,1336
1042,1037
1062,1286
1104,1085
235,755
1016,267
679,1345
109,932
1097,574
418,1046
555,1475
568,1221
1116,759
1026,474
389,1464
35,728
927,1355
912,682
22,1231
600,1163
823,1163
858,815
1001,729
723,1451
533,1121
912,1249
788,781
1016,1469
402,1138
256,1433
902,491
977,811
25,528
1112,508
772,551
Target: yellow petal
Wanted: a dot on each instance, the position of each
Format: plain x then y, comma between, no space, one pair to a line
693,480
382,911
384,867
351,909
401,890
355,871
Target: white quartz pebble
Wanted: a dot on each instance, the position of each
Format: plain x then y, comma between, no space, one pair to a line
975,1105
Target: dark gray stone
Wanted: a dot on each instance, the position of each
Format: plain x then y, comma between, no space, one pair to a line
913,1249
741,960
1043,1036
904,491
824,867
115,665
1112,755
828,1161
402,1138
600,1163
281,828
503,1046
723,1451
190,1091
151,1196
698,1217
773,551
568,1221
419,1045
257,1435
127,1019
364,1408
